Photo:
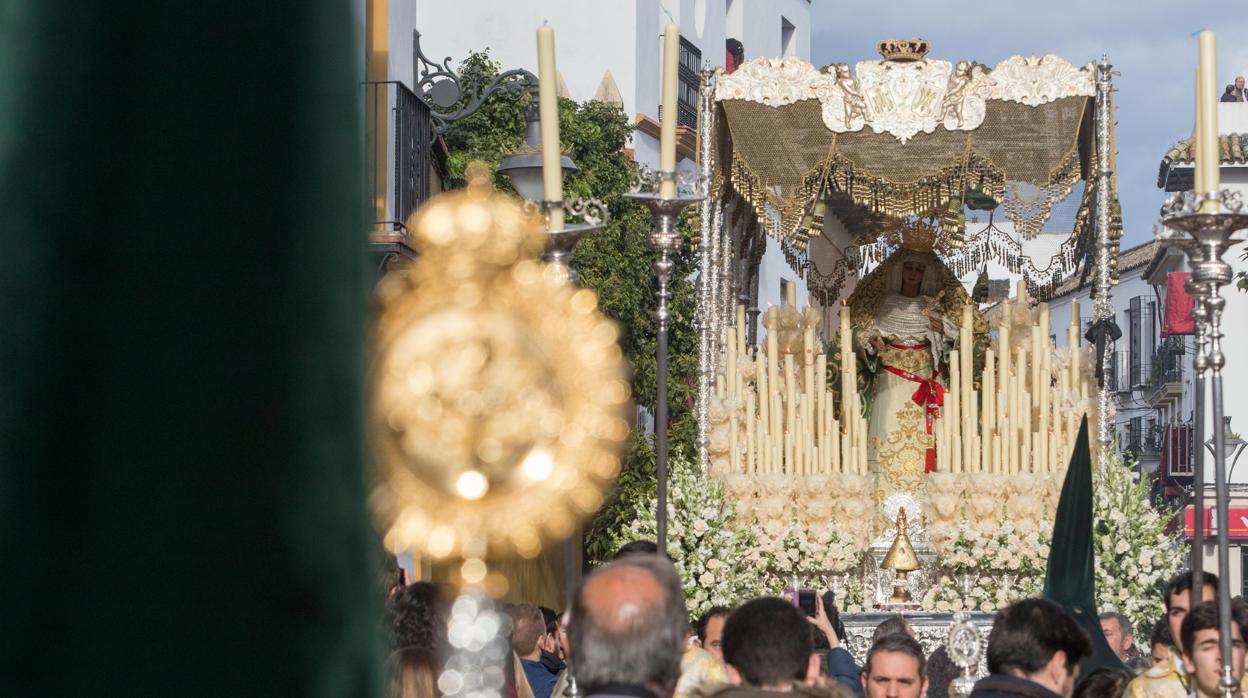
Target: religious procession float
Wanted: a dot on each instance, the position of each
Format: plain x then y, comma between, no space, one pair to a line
899,440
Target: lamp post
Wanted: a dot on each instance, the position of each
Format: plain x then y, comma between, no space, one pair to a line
524,168
1231,449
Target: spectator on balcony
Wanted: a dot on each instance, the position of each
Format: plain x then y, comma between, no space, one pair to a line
1236,92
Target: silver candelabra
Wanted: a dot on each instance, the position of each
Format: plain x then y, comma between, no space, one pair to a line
664,239
1204,237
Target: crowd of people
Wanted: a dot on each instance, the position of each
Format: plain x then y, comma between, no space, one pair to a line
627,634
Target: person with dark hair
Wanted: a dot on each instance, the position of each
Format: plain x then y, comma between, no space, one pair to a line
769,649
895,667
637,547
710,630
1161,644
552,653
838,662
626,628
1202,652
1102,683
1034,650
734,54
418,640
768,645
1170,680
528,630
1235,92
893,625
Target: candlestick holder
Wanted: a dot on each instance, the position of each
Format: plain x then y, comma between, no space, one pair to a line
1204,238
593,215
664,239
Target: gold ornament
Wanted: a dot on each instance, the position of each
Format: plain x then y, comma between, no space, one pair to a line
901,559
498,390
903,50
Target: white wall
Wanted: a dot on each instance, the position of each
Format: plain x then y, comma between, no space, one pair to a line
772,268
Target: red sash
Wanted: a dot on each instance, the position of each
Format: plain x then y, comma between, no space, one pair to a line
929,395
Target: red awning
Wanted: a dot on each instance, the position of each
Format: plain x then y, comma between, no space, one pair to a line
1178,315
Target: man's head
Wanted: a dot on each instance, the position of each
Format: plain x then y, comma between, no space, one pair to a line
1036,639
1179,599
1118,633
1202,653
768,644
627,625
894,625
711,630
895,668
1239,82
550,641
528,628
911,277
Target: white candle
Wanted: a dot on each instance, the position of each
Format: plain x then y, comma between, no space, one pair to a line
548,111
1199,176
1208,158
667,126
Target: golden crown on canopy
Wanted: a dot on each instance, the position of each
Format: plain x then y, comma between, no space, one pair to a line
917,236
903,50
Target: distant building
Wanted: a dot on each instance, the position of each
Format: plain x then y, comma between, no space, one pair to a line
1131,376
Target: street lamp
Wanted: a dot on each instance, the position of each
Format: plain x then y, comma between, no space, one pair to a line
1232,447
524,167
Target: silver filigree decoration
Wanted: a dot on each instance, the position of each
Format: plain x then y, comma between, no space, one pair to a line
647,180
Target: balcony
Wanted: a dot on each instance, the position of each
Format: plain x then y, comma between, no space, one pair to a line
399,157
1165,382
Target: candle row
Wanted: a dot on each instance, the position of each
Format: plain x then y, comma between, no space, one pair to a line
1025,415
788,423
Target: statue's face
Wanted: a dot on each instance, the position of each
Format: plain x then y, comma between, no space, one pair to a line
911,278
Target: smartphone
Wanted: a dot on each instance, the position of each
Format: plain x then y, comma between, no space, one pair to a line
806,601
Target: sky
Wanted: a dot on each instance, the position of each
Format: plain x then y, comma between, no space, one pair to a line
1151,43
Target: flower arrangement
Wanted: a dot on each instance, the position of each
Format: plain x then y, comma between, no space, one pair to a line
1006,560
1135,554
811,556
718,559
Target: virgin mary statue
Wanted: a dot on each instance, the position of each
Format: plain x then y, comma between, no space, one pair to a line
903,314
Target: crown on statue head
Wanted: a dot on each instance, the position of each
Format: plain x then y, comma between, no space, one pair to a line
917,236
903,50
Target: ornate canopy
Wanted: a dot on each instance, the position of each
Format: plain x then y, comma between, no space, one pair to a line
909,137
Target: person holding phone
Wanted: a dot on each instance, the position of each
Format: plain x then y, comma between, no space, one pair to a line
838,663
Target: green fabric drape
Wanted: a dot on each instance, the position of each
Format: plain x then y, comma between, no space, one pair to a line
1070,577
182,285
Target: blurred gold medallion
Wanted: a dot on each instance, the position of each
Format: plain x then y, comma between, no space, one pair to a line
498,390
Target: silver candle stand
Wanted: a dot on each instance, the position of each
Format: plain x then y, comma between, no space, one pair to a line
664,239
1204,237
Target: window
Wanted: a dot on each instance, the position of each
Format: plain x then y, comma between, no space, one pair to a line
1141,339
690,81
787,33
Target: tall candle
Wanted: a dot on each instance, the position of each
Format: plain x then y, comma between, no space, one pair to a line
1207,155
667,126
741,330
750,424
764,395
548,111
1199,176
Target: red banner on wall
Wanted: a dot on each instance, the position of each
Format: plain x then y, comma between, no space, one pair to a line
1179,305
1236,524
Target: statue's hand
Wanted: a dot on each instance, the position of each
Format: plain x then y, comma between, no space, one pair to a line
934,321
876,343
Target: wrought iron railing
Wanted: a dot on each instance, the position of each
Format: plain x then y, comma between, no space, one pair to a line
398,167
